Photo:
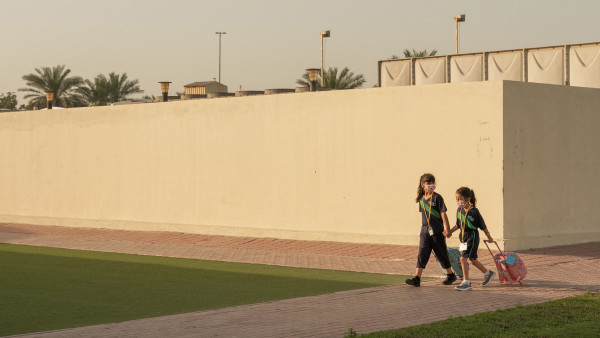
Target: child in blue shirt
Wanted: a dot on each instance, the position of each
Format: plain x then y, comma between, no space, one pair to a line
434,229
469,220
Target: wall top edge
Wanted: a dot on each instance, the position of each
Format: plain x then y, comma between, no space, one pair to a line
495,51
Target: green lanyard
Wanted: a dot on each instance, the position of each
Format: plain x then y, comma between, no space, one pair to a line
429,212
428,216
463,222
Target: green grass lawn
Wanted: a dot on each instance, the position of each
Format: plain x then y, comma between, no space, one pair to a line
570,317
46,288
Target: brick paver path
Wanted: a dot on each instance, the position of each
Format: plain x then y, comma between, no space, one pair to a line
553,273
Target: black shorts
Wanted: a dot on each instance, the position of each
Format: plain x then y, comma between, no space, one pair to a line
472,247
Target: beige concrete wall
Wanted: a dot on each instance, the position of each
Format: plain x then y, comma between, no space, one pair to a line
551,140
338,165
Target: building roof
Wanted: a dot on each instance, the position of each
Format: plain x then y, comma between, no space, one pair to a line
200,84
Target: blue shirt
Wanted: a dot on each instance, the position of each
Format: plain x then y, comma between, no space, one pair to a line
473,222
438,206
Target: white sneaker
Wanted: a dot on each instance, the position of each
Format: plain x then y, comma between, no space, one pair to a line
464,286
487,277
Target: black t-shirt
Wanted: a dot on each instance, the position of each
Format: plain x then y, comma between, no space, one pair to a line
437,207
473,222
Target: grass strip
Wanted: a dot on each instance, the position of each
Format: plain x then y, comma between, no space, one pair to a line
48,288
576,316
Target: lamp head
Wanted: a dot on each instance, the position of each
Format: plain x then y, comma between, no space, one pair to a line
49,96
460,18
164,86
313,74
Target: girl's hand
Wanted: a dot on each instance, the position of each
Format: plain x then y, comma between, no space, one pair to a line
490,238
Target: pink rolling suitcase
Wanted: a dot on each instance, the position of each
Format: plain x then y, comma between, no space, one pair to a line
511,268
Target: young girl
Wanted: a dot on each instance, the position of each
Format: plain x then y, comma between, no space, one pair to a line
468,220
432,237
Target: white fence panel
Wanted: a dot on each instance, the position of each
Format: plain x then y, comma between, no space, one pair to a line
546,66
430,70
395,73
505,66
466,68
584,63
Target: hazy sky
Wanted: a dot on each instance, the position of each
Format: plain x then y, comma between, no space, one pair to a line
268,44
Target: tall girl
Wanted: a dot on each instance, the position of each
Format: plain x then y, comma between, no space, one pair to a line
469,220
433,230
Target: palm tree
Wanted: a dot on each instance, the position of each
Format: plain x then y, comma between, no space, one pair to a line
54,79
118,87
344,80
415,54
105,90
95,93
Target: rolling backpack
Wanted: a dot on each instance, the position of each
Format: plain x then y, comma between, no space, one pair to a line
454,257
511,269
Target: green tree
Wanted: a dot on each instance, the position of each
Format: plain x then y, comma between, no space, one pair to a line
422,53
54,79
104,90
118,87
335,79
95,93
415,54
8,101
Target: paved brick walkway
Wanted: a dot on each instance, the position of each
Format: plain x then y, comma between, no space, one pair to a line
553,273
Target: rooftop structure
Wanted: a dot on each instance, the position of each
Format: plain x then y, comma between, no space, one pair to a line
204,88
571,65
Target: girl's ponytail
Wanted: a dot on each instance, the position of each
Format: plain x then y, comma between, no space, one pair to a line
473,199
420,192
425,178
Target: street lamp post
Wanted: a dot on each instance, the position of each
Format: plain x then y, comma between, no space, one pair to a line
164,88
324,34
220,34
49,99
458,18
313,74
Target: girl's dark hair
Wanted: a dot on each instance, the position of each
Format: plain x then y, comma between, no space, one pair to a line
467,193
425,178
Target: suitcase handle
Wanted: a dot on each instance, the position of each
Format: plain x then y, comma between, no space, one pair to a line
501,252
